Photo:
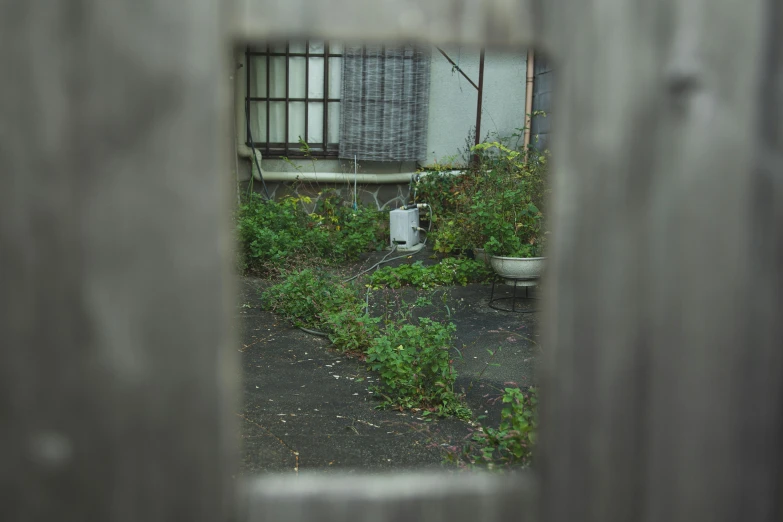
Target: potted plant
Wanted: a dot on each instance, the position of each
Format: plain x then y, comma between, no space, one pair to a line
506,209
515,251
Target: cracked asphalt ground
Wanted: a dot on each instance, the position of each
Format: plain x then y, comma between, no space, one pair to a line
307,407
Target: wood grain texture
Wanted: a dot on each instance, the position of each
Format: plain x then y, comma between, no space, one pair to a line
663,397
492,22
410,497
115,385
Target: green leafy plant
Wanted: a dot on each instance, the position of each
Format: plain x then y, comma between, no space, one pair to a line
506,204
311,299
450,271
449,197
280,235
512,443
497,204
353,231
415,365
412,355
351,331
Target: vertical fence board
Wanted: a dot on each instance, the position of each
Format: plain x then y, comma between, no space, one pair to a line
114,386
663,399
410,497
492,22
664,396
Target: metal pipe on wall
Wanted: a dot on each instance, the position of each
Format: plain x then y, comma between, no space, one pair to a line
480,99
350,178
531,60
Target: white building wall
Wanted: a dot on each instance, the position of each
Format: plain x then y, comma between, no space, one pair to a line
453,99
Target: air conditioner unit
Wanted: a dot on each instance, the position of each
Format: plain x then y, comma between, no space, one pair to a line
404,227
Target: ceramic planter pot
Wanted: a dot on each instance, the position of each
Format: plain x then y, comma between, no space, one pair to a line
518,271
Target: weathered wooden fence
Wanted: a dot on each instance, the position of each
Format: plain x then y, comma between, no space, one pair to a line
663,397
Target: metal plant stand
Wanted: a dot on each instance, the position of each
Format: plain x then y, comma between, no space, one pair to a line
517,301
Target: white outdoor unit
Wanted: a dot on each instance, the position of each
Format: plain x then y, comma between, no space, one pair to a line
404,225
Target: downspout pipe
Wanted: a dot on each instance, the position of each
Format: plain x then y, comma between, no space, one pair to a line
531,60
340,177
240,91
479,102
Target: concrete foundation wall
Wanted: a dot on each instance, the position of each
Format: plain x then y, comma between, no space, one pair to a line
382,197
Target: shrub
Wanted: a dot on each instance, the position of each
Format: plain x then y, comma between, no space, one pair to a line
310,299
449,197
506,204
497,204
350,331
412,356
415,365
276,235
352,231
512,443
450,271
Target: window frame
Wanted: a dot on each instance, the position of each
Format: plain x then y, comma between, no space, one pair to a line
288,149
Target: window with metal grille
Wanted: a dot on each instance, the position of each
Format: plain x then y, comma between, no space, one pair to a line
293,95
